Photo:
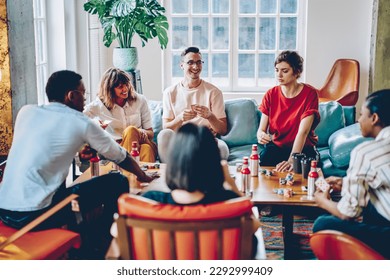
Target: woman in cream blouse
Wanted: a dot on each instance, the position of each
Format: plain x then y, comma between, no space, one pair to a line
124,113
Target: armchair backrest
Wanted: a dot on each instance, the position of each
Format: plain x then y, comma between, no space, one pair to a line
342,83
151,230
335,245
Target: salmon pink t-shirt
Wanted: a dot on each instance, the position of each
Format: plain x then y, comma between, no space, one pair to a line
285,114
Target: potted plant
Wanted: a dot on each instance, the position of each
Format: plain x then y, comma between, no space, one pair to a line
122,19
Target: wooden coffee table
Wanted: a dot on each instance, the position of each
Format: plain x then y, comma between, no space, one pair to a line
135,187
265,193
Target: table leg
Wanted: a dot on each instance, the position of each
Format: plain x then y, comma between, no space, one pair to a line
287,227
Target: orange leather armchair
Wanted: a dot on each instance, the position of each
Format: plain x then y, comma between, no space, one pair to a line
335,245
342,83
151,230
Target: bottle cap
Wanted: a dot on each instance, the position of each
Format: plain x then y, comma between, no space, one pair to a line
95,159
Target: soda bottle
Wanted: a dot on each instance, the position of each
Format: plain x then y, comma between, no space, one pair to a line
254,161
245,178
311,179
94,165
134,151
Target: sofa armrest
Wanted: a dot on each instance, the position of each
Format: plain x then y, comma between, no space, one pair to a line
342,142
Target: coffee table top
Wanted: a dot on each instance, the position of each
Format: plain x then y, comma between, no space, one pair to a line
265,188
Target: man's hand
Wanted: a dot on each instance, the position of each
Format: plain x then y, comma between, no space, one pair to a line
201,111
148,177
86,153
187,115
336,183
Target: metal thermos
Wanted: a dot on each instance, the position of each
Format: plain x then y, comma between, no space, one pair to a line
254,161
246,178
94,164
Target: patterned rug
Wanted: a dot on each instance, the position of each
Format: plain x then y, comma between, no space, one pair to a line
273,237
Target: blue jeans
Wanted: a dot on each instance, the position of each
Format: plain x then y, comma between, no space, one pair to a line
374,230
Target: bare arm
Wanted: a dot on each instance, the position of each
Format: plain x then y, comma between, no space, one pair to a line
132,166
217,125
262,136
299,142
178,121
323,201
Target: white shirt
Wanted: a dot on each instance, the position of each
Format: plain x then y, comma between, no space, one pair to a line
136,114
45,141
368,177
177,98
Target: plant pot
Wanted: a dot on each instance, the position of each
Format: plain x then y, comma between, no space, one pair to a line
125,58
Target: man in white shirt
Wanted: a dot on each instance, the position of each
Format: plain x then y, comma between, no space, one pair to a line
192,100
46,138
365,190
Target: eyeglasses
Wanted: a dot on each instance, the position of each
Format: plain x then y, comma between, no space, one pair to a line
192,62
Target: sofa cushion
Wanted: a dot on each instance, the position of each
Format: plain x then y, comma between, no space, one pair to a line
332,119
243,119
342,142
156,112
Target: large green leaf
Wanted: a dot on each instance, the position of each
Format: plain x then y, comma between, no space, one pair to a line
121,19
123,8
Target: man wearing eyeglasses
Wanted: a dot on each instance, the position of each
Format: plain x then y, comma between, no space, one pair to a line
192,100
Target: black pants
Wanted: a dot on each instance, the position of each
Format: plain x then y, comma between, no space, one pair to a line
271,155
374,230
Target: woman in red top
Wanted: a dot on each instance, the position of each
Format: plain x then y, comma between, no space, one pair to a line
289,116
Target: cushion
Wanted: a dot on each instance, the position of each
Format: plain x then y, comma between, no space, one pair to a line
156,112
38,245
342,142
141,207
243,119
332,119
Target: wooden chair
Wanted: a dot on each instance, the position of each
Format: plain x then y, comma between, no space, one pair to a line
342,83
150,230
335,245
39,245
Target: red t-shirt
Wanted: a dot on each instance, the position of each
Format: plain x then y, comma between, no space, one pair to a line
285,114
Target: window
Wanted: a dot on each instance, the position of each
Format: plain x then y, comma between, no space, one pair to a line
40,33
239,39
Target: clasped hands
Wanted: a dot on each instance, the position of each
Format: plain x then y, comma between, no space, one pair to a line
196,110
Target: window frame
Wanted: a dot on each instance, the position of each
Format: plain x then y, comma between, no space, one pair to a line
233,50
41,51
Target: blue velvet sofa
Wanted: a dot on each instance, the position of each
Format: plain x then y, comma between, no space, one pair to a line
338,133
